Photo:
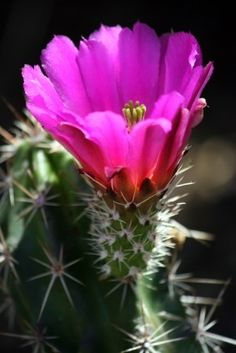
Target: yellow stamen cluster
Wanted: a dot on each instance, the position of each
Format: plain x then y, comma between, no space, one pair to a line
134,112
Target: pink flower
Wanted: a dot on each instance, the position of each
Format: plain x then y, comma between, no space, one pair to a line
123,103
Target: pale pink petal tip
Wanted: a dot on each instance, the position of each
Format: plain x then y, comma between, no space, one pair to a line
198,112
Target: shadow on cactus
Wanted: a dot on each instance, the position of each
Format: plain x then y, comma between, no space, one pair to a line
90,255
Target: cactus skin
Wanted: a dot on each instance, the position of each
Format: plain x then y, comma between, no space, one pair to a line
52,219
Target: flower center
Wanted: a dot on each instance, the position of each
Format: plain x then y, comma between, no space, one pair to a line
134,112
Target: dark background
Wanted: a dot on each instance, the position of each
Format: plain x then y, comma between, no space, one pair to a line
26,26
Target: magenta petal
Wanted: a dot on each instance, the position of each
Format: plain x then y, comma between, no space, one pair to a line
42,98
59,62
195,85
87,152
109,37
108,132
146,141
167,106
172,149
39,89
98,70
179,138
139,53
180,54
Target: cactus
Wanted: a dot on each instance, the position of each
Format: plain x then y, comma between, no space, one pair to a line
90,253
82,273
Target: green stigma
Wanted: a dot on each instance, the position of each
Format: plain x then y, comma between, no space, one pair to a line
134,112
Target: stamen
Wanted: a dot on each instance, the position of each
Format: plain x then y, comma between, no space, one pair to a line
134,112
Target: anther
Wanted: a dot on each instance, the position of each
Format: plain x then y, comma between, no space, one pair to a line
134,112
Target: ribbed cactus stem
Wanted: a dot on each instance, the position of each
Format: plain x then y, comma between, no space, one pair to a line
126,238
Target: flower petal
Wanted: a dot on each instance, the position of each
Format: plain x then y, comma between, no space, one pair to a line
198,112
107,134
172,149
59,62
193,88
167,106
109,37
180,54
98,70
87,152
139,53
109,131
180,137
146,141
42,98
